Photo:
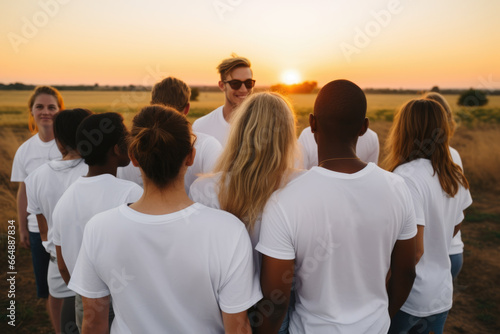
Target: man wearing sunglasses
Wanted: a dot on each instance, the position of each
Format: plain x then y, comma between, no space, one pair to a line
237,83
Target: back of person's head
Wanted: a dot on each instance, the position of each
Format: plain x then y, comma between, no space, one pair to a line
442,101
171,92
260,150
228,65
420,131
340,109
38,91
66,123
161,139
99,133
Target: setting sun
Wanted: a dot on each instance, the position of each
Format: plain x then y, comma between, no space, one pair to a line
290,77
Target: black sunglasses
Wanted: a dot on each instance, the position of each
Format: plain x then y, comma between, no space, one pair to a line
236,84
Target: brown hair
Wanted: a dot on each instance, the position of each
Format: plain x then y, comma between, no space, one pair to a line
421,130
38,91
171,92
442,101
160,141
229,64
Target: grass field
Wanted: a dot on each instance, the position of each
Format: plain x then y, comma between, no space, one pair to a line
13,109
477,294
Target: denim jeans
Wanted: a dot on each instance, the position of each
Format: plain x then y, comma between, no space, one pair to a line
457,260
41,260
403,323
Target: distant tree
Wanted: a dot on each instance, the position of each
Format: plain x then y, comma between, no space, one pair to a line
307,87
472,98
195,92
435,89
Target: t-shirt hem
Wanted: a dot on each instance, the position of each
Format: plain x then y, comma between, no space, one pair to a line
407,236
242,307
88,294
426,314
272,253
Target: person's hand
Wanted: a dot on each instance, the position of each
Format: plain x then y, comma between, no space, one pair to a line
24,239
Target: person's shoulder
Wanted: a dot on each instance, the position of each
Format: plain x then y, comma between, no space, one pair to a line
206,118
29,144
104,218
369,135
204,140
215,217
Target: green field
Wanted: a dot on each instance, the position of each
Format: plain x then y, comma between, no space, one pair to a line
13,108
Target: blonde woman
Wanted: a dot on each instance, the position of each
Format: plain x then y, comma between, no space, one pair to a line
257,160
418,150
457,246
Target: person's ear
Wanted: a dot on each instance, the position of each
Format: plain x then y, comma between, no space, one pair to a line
312,123
186,109
364,128
116,150
221,85
134,161
190,157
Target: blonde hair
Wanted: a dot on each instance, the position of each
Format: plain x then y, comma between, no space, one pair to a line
171,92
229,64
420,130
442,101
38,91
258,156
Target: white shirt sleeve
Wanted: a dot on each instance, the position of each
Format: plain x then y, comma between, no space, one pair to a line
240,287
18,171
374,149
305,149
275,238
204,191
418,201
211,151
33,203
85,280
409,226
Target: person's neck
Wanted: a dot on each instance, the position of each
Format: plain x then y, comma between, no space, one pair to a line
100,170
45,135
227,111
340,159
71,155
156,201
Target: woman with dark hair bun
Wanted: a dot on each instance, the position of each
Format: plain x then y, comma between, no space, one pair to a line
189,267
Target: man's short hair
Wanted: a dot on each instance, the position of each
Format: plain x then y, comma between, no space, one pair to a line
229,64
171,92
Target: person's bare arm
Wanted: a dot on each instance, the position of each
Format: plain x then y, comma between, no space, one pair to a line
276,283
22,215
42,226
402,274
236,323
95,315
420,242
63,270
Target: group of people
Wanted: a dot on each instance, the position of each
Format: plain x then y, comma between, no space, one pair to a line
233,225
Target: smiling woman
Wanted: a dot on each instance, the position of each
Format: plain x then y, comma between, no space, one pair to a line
290,77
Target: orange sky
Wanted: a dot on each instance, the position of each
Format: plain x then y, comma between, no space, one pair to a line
395,43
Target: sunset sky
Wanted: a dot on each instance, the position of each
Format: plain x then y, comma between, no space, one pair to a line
375,43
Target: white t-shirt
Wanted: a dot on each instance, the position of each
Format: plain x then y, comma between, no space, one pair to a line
29,156
432,290
457,245
208,150
367,148
45,186
341,230
86,197
169,273
213,124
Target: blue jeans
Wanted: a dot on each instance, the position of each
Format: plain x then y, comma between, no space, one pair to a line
41,260
403,323
457,260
